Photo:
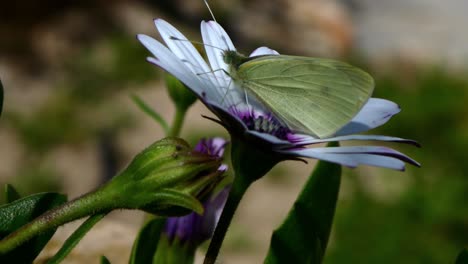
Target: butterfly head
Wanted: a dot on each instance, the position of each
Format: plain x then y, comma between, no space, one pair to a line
234,58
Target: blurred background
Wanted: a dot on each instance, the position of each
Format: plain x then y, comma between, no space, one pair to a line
69,124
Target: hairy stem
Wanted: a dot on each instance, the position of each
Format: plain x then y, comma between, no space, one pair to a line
177,122
89,204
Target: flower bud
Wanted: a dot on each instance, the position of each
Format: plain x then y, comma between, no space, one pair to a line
181,236
182,97
167,178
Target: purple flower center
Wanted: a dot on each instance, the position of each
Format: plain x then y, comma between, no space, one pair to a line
264,123
211,146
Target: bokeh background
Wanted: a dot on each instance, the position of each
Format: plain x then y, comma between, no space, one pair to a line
69,124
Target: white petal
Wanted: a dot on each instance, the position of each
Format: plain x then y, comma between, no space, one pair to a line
354,156
169,62
217,41
188,54
263,51
181,47
307,140
374,113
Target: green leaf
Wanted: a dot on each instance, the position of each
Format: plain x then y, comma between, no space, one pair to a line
147,241
105,260
145,108
1,97
303,236
11,194
20,212
73,240
462,257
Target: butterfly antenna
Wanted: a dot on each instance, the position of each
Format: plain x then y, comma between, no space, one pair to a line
212,15
209,9
195,42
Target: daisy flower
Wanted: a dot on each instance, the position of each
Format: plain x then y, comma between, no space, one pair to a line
193,228
249,121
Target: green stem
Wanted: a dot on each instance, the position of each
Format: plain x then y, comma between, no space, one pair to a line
250,162
75,238
91,203
238,189
149,111
177,122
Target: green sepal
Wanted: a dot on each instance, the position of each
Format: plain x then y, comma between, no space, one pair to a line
174,251
303,236
165,179
11,194
20,212
462,257
149,111
147,241
105,260
75,238
174,203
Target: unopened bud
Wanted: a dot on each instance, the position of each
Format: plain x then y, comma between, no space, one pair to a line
167,178
181,95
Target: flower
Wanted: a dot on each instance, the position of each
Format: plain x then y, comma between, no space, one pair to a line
194,228
249,120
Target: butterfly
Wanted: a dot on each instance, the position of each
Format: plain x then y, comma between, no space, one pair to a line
314,96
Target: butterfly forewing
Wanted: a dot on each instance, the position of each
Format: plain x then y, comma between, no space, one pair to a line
310,95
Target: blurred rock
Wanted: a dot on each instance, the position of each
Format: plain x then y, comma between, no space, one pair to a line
423,31
305,27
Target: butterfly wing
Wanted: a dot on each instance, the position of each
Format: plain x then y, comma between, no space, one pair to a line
310,95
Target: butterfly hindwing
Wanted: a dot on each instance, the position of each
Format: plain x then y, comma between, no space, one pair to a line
310,95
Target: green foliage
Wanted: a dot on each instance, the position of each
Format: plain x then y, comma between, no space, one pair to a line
146,242
61,120
75,238
105,260
426,223
90,78
303,236
33,178
433,102
94,74
462,257
51,125
150,112
18,213
11,194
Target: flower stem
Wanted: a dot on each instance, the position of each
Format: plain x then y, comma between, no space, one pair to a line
239,186
177,122
250,163
91,203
